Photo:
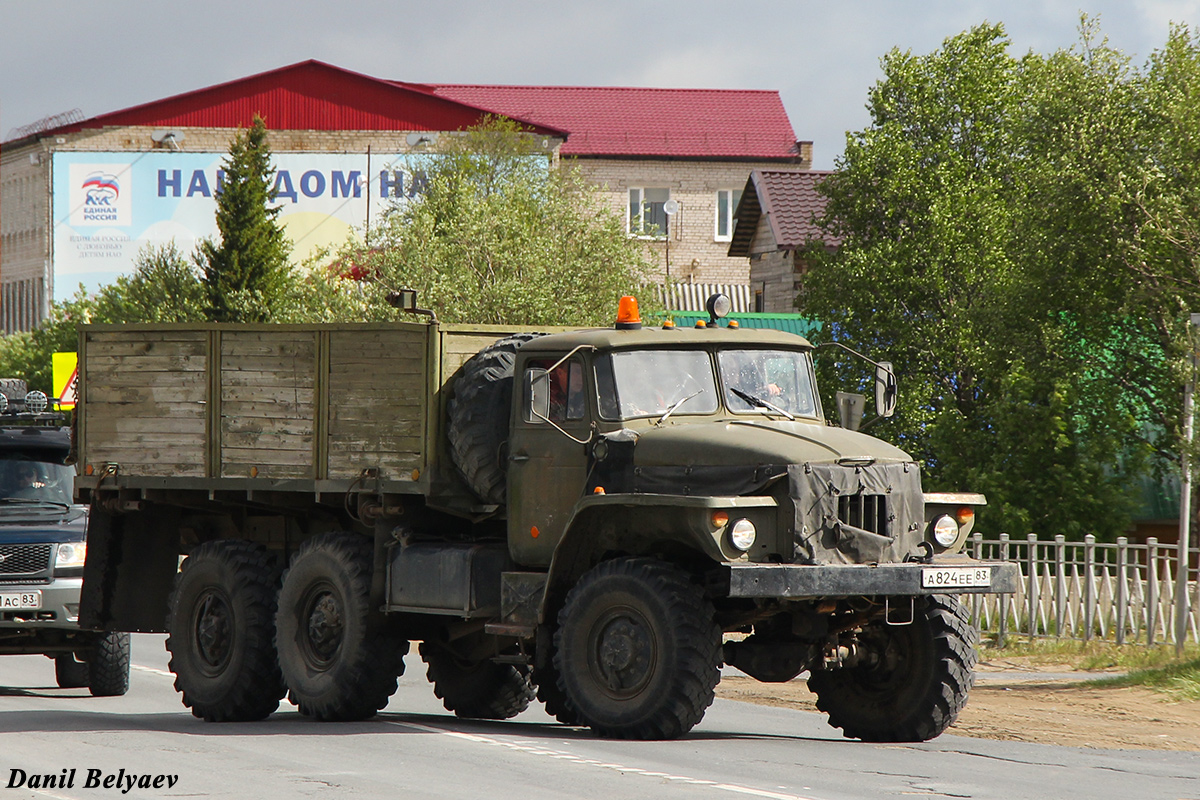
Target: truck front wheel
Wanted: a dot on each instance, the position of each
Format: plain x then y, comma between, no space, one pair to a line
915,681
637,650
222,615
338,661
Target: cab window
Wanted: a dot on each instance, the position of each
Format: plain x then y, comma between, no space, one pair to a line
563,383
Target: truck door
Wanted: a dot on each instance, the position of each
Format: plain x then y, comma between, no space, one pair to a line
547,455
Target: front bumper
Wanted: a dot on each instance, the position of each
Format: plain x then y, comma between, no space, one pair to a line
60,606
955,574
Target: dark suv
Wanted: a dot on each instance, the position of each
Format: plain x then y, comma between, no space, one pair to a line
42,550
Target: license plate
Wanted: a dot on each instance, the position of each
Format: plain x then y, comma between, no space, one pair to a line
955,577
20,600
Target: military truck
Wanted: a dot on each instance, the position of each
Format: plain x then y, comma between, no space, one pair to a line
42,550
600,518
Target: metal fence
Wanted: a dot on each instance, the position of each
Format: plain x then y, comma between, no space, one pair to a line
1086,590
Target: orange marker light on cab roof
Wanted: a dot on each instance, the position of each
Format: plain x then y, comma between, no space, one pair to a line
965,514
733,323
628,317
534,532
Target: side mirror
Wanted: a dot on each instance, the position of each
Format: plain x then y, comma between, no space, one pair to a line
850,410
885,389
537,395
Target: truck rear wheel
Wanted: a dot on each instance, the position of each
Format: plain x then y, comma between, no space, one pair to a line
477,689
637,650
914,687
108,665
222,617
338,662
477,417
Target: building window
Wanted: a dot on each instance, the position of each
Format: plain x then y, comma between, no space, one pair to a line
727,203
647,215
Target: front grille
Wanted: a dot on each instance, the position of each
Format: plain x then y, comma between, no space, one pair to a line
866,511
24,559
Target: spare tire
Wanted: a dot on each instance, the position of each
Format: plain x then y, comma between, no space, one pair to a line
478,415
13,388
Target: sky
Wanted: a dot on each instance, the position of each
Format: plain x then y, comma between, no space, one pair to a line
822,57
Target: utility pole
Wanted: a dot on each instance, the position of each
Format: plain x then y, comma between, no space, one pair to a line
1185,496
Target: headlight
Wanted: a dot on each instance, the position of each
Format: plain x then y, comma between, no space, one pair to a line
741,535
70,554
36,401
945,530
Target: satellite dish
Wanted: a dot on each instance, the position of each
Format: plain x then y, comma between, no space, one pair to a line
162,136
416,139
671,207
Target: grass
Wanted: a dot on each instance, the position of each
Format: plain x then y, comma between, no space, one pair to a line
1181,681
1157,668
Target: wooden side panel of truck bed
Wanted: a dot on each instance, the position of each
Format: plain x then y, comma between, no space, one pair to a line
305,407
291,402
146,401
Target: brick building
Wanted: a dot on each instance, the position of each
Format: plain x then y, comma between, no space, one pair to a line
342,139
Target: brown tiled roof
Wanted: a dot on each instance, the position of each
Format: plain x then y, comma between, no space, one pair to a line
791,203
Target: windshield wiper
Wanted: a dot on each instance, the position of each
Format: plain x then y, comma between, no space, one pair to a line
675,406
759,402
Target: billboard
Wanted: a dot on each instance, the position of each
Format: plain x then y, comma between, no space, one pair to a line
108,205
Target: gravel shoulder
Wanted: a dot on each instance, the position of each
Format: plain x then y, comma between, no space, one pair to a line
1044,704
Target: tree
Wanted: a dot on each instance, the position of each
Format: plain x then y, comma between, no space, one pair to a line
991,248
164,287
499,235
248,271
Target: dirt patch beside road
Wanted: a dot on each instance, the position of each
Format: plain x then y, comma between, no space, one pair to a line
1014,703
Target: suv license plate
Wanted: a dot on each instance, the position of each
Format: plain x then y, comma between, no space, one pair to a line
20,600
955,577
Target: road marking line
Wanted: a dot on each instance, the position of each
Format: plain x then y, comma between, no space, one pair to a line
541,750
152,670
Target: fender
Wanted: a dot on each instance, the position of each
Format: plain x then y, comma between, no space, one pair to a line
635,524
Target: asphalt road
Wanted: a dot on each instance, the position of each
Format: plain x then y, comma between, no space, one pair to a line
416,750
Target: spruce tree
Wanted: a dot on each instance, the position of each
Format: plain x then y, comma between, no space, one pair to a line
248,271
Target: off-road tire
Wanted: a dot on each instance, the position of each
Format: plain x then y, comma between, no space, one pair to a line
637,650
477,689
478,414
14,388
338,660
69,673
919,690
221,632
108,665
552,697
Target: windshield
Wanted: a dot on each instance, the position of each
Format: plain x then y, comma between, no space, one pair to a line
30,482
768,381
649,383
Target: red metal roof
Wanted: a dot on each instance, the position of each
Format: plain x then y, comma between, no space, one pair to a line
604,121
310,95
630,121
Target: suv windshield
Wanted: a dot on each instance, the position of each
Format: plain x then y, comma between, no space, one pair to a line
768,381
25,481
649,383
